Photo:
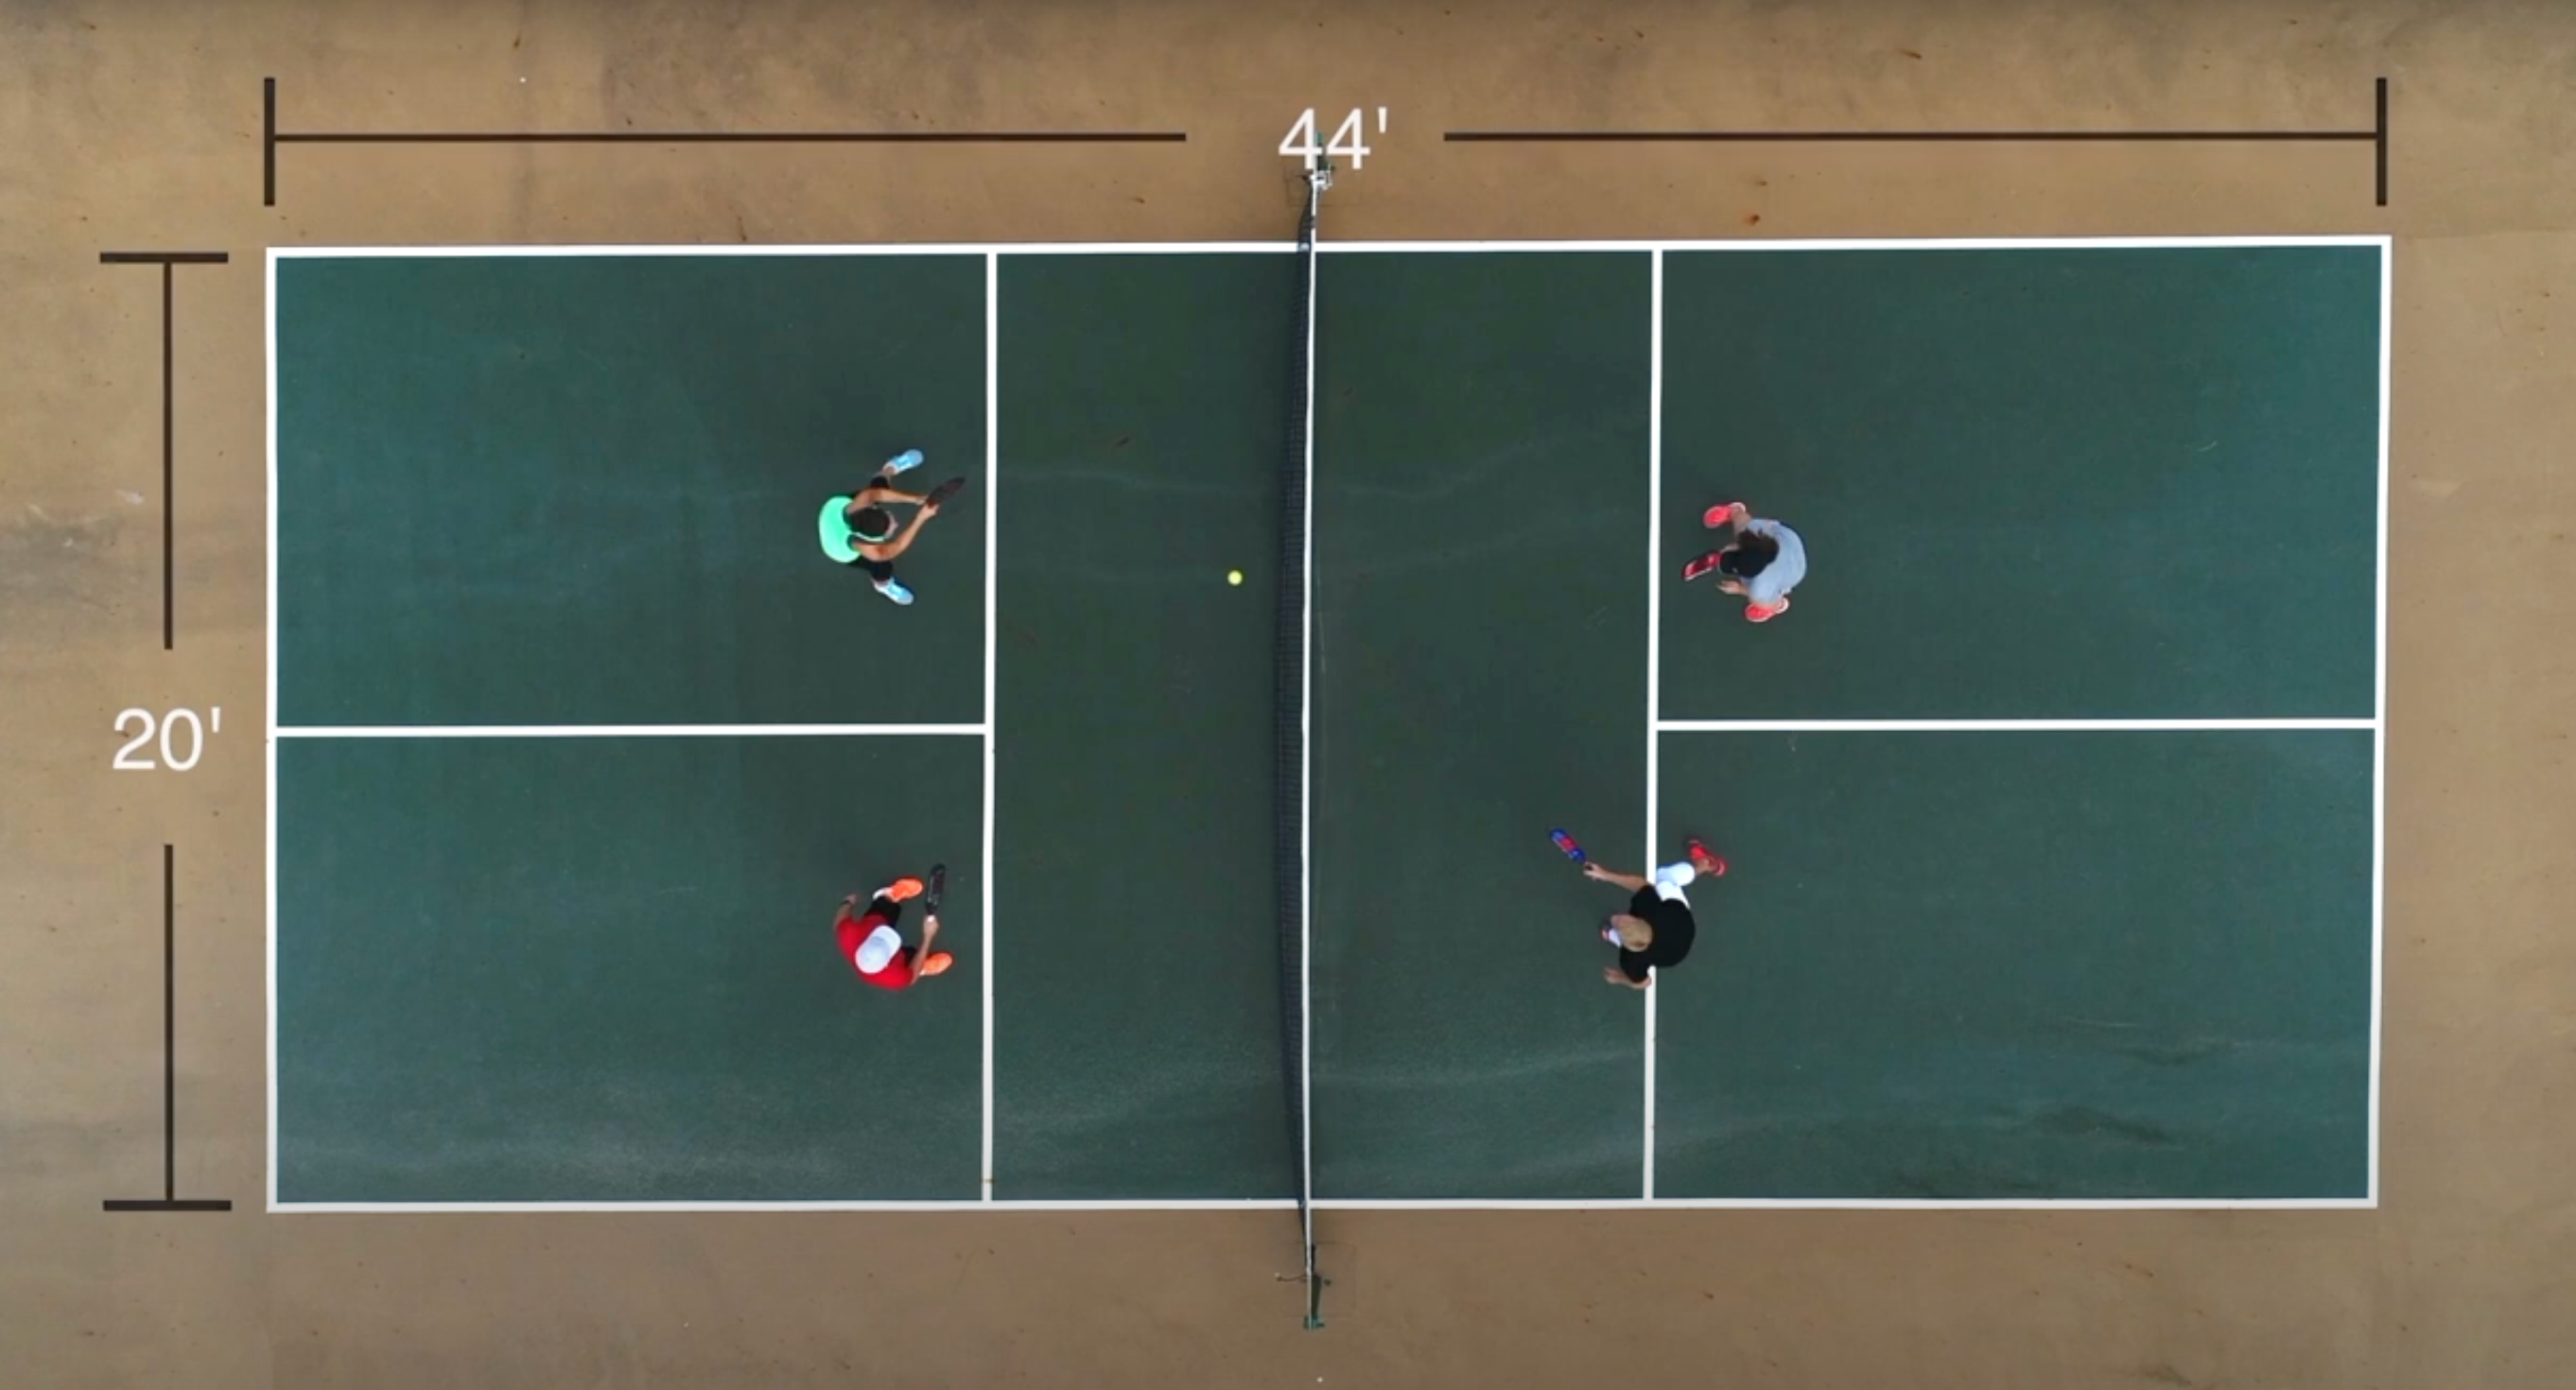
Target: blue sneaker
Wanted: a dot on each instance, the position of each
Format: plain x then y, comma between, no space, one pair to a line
904,462
893,589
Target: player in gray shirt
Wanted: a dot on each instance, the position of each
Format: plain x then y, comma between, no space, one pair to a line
1762,564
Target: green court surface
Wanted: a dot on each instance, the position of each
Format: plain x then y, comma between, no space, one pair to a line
553,491
603,969
2022,964
1135,1028
2052,806
2052,484
1479,593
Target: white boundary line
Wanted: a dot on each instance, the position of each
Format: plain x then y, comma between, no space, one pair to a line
927,1204
1345,248
1423,1204
2106,243
1654,647
2379,734
269,749
938,248
638,730
992,575
992,251
1950,1204
1974,726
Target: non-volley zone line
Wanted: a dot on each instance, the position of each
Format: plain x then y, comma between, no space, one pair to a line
975,730
1983,726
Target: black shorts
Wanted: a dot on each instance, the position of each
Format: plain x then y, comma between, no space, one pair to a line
878,570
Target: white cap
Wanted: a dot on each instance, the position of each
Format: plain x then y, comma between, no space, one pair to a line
875,953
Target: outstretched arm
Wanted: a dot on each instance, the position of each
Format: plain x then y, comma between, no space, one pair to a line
879,490
1632,882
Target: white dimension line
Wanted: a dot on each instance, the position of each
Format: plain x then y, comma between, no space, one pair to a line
269,749
1654,648
635,730
2379,738
992,571
1223,1204
1976,726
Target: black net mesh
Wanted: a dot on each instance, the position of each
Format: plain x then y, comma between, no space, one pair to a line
1290,670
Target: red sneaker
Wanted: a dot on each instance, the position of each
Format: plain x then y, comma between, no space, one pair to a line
1700,566
1707,863
1719,515
1755,613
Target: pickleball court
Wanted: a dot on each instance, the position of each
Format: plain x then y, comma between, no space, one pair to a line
2052,808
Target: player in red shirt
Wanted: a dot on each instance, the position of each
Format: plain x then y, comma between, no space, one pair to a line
873,946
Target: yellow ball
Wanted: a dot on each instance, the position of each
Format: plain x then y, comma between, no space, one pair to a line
1234,576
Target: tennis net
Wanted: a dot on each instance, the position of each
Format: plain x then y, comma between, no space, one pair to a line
1290,785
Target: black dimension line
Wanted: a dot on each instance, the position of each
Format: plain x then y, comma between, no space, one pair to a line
2377,137
165,260
169,1200
272,137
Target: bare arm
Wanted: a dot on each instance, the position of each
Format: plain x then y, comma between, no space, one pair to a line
879,490
929,934
1632,882
903,542
884,552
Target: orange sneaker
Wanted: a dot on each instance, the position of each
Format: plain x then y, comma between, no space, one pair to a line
1756,614
901,890
1704,861
938,963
